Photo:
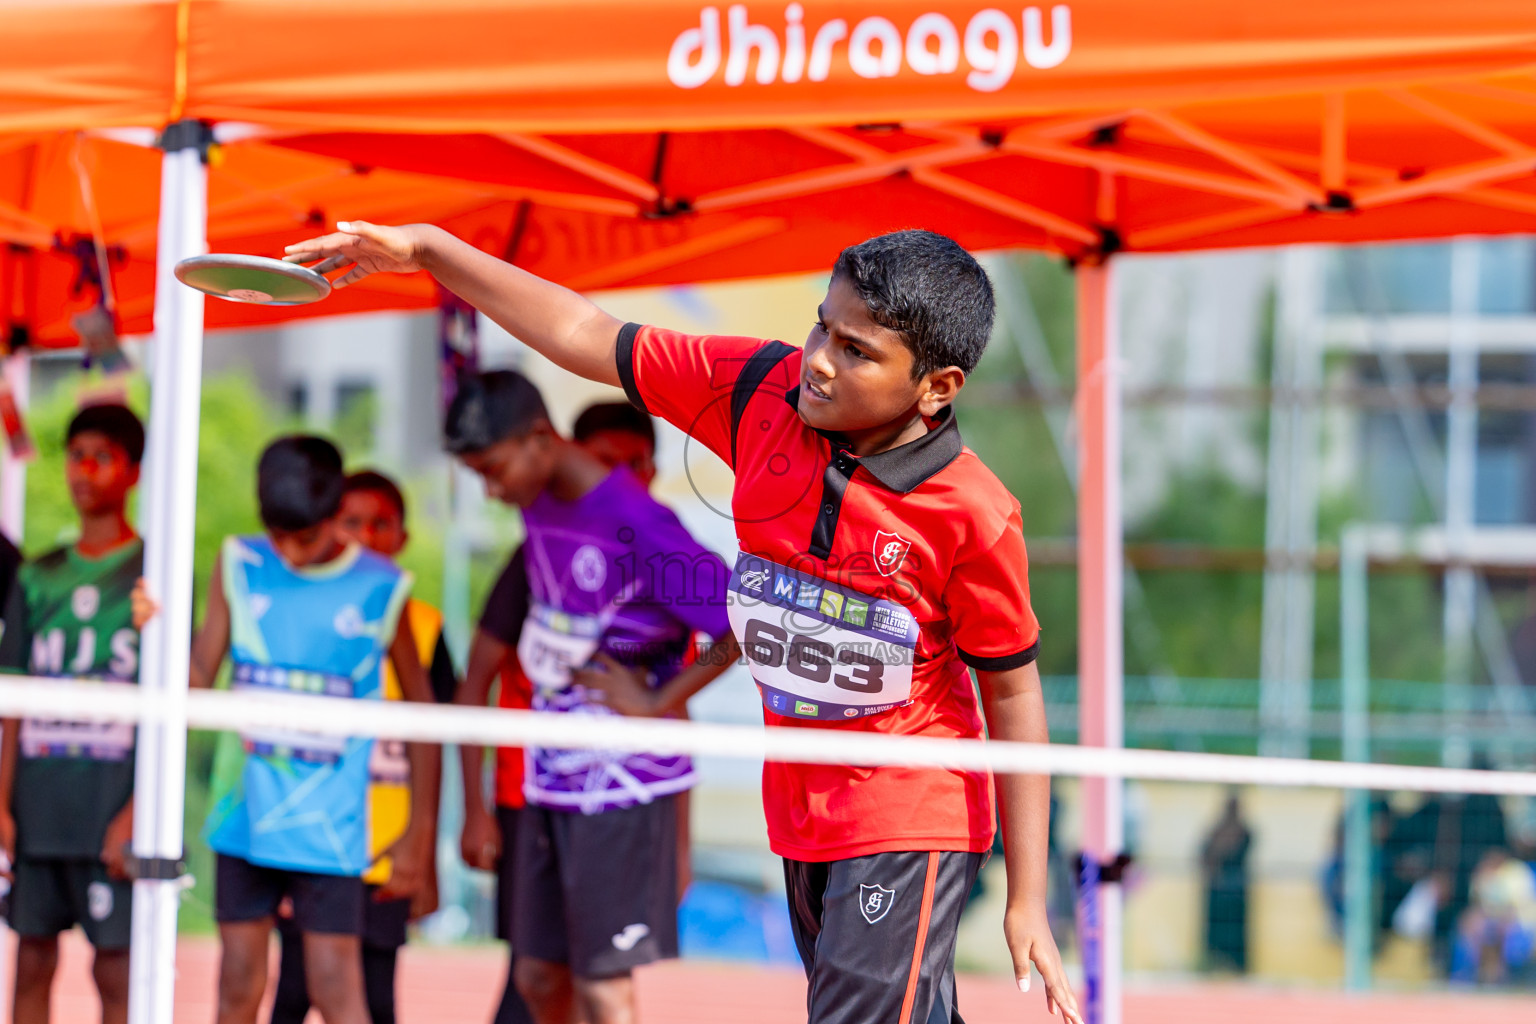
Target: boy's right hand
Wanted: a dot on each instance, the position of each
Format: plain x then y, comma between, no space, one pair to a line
143,606
480,841
370,248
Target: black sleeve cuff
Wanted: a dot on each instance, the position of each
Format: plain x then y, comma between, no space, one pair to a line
1003,664
624,355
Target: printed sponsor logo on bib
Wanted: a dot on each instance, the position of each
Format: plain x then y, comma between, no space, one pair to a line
389,765
555,643
92,741
820,650
295,744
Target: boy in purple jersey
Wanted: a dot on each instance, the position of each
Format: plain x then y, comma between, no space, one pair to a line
616,588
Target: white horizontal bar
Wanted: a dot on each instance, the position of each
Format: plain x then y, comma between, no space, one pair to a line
22,696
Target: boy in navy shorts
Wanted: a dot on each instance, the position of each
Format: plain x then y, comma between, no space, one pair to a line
66,788
300,609
373,515
618,434
615,588
880,564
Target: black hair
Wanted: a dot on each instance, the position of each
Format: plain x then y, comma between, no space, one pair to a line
491,407
622,416
116,423
927,289
299,482
374,482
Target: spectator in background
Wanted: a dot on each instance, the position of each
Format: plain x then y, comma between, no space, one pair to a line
1224,860
1468,828
1497,932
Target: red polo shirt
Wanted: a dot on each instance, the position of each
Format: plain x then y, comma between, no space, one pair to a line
924,525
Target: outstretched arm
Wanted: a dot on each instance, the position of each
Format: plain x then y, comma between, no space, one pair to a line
552,320
1015,709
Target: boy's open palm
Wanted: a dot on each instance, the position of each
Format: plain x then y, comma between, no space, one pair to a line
1028,932
368,248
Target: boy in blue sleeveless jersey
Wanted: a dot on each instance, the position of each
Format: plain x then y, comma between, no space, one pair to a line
300,610
373,515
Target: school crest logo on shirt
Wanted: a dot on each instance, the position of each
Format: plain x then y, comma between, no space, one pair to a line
85,602
589,568
349,622
875,901
890,551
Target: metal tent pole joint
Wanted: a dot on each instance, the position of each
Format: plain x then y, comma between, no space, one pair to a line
1111,871
187,134
157,869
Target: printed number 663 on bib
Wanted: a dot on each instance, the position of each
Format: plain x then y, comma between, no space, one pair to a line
810,659
817,649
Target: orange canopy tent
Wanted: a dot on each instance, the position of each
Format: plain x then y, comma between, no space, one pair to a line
61,192
658,142
668,141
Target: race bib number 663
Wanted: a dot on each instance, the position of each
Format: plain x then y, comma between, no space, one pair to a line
817,649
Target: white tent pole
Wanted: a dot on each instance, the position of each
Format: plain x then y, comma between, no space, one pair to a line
168,525
1101,558
13,471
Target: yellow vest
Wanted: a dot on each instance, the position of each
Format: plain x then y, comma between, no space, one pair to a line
389,787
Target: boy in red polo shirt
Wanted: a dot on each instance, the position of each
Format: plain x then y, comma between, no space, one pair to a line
879,559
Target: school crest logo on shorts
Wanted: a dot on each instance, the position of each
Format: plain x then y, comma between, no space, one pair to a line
875,901
99,900
890,551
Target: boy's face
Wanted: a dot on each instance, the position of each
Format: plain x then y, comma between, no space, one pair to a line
371,519
616,448
516,469
313,546
99,474
856,374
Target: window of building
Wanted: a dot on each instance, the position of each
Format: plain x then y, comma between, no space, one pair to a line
355,424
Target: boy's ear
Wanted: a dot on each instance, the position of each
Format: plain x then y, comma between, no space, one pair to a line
939,389
133,474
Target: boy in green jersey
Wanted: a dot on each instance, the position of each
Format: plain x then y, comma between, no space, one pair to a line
66,788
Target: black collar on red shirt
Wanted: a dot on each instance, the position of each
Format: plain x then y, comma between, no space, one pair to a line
906,466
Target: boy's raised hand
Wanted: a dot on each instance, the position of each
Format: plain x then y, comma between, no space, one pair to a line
368,248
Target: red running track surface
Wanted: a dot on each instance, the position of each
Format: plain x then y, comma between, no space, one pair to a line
461,985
